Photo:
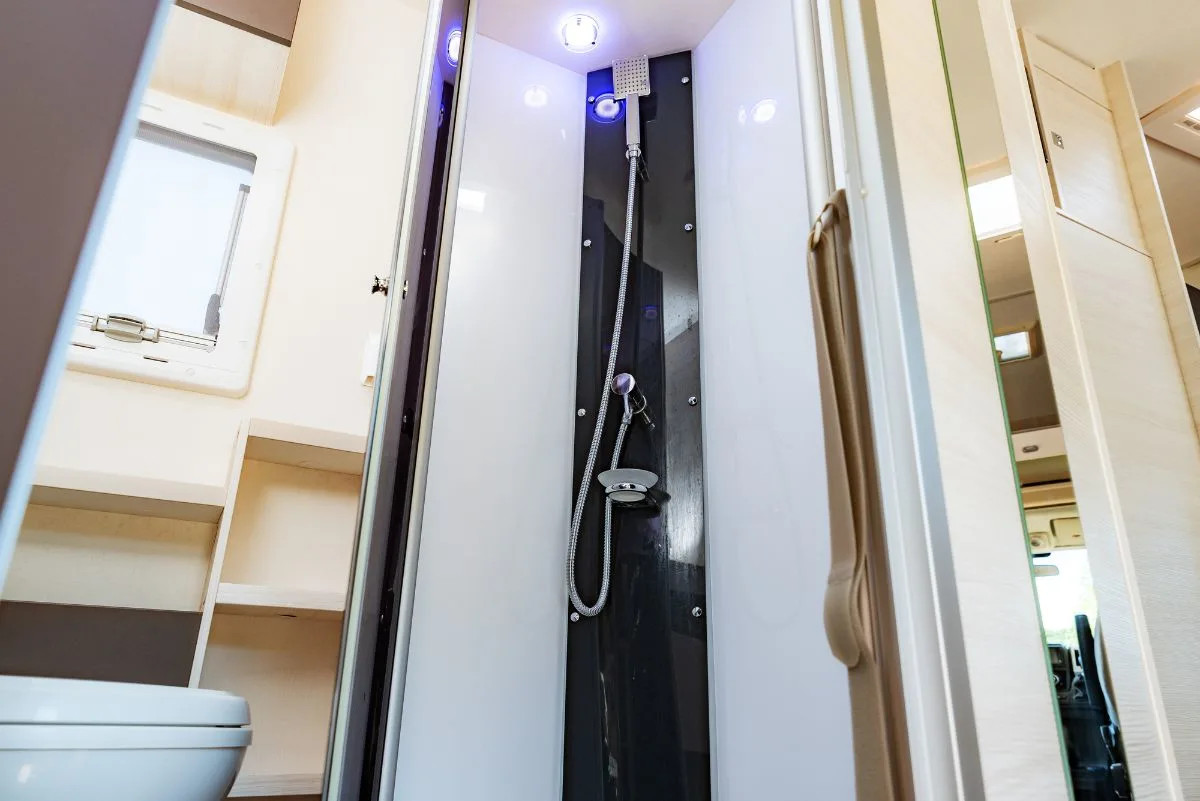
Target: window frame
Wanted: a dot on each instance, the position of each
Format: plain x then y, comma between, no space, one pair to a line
224,369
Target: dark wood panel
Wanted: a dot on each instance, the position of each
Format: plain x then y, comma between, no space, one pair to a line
271,19
143,646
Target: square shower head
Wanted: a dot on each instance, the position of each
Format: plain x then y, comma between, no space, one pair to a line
631,76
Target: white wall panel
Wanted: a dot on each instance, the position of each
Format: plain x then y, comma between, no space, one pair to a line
781,709
484,696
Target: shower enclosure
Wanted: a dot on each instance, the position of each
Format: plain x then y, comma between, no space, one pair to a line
555,602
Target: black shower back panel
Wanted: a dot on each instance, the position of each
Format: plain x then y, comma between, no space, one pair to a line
637,675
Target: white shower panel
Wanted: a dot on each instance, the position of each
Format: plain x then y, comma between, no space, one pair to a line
484,696
780,702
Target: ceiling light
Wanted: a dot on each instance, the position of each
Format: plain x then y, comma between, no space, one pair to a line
536,96
763,111
454,47
608,108
580,33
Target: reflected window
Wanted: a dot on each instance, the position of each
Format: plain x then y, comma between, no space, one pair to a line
994,207
1063,596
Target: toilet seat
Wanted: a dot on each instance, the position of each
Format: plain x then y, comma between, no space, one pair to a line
68,703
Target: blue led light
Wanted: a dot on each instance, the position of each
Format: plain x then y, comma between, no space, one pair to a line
454,47
608,108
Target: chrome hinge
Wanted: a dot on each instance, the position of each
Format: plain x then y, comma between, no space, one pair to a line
124,328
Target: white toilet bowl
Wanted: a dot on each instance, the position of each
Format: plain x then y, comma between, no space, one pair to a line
64,740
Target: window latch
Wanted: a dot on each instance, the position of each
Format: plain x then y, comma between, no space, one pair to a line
125,328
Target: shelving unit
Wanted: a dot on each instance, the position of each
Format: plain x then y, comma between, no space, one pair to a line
289,784
128,495
108,578
271,620
259,601
239,587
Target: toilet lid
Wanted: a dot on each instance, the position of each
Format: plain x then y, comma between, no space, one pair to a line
70,701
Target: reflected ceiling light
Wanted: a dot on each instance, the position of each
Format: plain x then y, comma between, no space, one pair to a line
580,33
472,199
763,111
608,108
454,47
536,96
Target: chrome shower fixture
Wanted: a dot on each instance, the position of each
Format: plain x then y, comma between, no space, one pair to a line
631,80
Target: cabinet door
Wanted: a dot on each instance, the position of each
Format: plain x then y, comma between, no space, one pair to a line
1086,167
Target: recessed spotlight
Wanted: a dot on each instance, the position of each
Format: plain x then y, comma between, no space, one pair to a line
763,111
536,96
608,108
454,47
580,33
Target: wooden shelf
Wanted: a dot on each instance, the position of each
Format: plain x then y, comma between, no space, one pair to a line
301,446
286,784
259,601
130,495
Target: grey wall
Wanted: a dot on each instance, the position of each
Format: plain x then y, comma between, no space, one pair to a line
67,70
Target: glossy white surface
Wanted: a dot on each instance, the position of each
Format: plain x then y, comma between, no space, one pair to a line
71,701
484,692
119,770
780,702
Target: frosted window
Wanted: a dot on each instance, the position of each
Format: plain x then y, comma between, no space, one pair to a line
994,207
168,239
1014,346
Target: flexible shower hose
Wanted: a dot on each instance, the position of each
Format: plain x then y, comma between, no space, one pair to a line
594,450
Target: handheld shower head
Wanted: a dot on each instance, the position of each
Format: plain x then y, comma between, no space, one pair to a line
625,385
631,80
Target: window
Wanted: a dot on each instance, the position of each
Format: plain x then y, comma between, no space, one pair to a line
180,273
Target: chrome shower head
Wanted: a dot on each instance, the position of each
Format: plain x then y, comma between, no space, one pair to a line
623,384
631,80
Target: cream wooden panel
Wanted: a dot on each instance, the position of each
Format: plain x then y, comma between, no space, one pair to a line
1155,457
1074,73
259,601
292,528
286,670
73,556
1160,243
130,495
1087,168
220,66
1133,671
1013,703
302,446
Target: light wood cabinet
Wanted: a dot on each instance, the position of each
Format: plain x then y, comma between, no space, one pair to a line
238,588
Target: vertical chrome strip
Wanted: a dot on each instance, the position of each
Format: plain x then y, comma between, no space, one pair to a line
942,736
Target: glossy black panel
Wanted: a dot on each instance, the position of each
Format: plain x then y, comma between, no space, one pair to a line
637,681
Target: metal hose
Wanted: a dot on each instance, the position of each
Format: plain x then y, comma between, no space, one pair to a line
594,450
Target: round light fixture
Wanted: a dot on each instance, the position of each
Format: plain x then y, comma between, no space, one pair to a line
454,47
536,96
763,111
580,33
608,108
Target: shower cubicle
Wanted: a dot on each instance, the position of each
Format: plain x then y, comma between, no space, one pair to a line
597,569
